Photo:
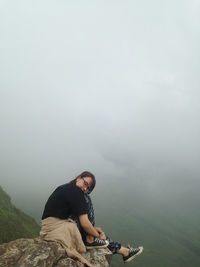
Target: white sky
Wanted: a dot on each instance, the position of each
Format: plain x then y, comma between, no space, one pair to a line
106,86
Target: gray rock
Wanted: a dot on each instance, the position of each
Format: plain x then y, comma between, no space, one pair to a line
39,253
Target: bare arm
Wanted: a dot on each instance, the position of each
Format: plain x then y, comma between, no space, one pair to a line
87,226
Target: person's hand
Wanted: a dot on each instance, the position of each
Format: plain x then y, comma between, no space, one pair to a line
102,236
99,230
101,233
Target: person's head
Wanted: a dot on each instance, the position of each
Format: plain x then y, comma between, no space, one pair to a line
86,181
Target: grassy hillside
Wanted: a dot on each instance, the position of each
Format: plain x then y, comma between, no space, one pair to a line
13,222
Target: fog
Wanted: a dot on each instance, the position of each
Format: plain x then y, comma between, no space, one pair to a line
106,86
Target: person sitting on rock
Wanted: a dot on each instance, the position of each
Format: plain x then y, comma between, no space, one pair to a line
72,201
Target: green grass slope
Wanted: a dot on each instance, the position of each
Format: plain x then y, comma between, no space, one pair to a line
13,222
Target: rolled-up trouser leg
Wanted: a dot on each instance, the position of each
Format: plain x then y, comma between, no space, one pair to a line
113,246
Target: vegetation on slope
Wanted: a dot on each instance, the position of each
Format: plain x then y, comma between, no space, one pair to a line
13,222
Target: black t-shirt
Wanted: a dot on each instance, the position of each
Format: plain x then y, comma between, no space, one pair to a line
66,200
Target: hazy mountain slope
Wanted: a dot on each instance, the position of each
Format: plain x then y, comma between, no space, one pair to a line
167,224
169,232
13,222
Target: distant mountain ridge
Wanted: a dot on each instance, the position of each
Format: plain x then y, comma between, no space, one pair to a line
13,222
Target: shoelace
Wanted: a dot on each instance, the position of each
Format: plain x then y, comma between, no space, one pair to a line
99,240
132,249
129,247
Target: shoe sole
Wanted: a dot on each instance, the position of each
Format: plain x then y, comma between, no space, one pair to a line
131,258
104,246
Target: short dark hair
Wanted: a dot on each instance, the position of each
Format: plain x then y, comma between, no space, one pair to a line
88,174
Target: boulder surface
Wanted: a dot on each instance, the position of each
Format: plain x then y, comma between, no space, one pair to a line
40,253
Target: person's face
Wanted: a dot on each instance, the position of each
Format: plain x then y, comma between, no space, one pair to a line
84,184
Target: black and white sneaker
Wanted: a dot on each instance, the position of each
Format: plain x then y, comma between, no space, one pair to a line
97,243
132,253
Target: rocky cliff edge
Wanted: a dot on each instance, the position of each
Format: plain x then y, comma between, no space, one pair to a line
39,253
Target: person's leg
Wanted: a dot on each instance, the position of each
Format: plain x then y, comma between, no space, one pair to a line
123,251
81,230
89,241
128,253
113,246
91,218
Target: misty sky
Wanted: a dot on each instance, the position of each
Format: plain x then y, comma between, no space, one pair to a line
106,86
